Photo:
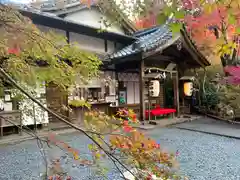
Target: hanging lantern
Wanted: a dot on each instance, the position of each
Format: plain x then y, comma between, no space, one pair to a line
154,88
188,88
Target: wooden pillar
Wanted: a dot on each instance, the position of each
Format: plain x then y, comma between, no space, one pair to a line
176,93
141,91
117,88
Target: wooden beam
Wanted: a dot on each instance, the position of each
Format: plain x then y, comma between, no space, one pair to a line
176,93
141,91
105,45
152,75
160,69
160,57
128,65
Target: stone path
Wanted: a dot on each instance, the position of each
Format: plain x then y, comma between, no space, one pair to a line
202,156
61,128
16,138
211,126
166,122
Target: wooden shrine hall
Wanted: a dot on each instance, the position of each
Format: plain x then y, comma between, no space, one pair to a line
155,55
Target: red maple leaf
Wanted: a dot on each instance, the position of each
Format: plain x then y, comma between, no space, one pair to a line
127,128
14,51
233,75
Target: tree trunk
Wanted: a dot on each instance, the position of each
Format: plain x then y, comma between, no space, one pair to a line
56,100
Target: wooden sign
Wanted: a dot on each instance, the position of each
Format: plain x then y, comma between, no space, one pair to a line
13,116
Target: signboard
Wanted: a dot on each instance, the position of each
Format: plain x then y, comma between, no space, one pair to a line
13,116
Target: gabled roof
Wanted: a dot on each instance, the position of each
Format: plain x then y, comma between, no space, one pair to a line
49,20
72,6
147,41
158,38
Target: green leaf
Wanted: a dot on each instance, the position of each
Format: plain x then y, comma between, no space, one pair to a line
179,14
98,155
238,30
175,27
105,170
90,147
161,18
167,11
231,19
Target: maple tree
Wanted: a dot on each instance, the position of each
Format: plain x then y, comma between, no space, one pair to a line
32,56
214,26
116,138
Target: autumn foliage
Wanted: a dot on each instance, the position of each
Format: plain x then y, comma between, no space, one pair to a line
214,27
146,22
233,77
215,30
116,138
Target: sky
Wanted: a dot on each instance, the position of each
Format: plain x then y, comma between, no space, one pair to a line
128,2
22,1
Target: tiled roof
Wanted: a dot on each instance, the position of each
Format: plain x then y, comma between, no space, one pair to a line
148,40
145,31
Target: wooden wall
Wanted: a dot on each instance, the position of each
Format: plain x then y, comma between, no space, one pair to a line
131,81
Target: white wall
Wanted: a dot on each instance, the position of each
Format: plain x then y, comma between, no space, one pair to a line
87,43
92,17
46,29
110,47
91,44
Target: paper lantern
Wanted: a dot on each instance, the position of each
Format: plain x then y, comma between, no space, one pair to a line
154,88
188,88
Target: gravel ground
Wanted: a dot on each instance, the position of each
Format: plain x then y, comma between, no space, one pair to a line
202,156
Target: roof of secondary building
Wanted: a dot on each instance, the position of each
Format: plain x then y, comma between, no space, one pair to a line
61,8
52,21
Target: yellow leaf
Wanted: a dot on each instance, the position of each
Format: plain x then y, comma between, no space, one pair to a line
207,8
234,45
90,147
75,156
97,155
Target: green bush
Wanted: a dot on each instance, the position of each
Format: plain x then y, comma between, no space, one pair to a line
209,96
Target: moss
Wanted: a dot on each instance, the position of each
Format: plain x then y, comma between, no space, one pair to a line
79,103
